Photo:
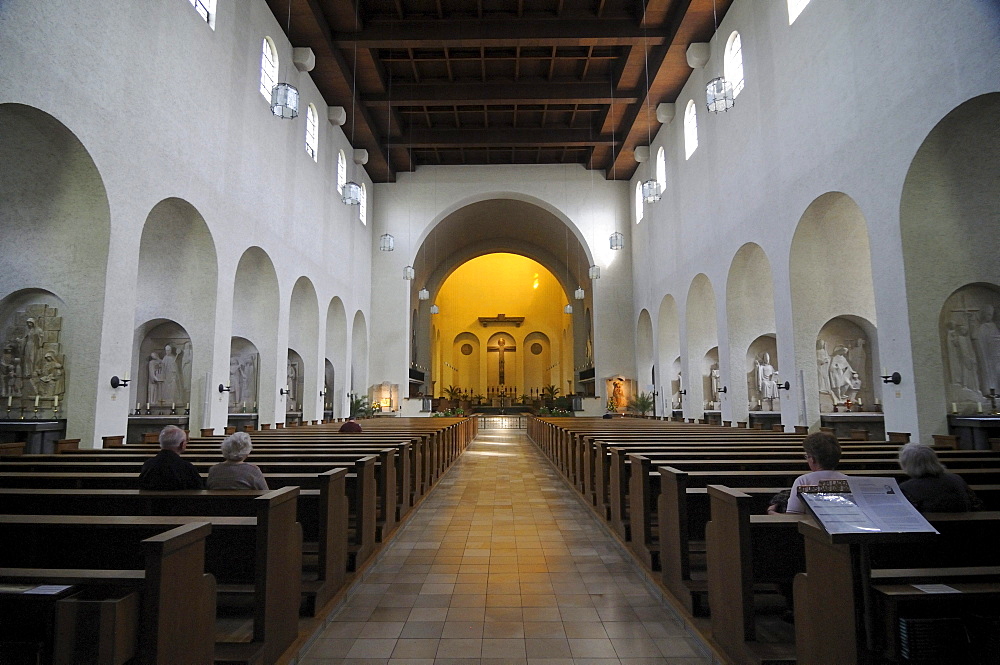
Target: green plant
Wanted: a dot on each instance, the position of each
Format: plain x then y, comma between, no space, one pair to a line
543,411
479,398
550,392
642,403
453,392
360,407
525,399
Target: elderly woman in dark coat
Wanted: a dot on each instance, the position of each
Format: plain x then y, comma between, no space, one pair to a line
931,488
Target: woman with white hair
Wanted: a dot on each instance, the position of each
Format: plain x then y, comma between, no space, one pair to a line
235,473
932,489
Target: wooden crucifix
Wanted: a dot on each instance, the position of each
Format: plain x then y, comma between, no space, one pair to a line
501,348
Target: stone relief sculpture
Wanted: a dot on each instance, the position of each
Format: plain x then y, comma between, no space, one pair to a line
166,373
242,381
844,380
292,381
843,365
31,363
970,342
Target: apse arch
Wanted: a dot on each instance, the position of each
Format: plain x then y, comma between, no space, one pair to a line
336,351
668,336
950,210
702,335
750,317
644,352
830,248
49,182
359,354
256,307
303,335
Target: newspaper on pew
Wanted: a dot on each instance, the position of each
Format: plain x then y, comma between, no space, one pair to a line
863,505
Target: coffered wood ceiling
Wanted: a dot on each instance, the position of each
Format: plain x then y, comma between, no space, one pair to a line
500,81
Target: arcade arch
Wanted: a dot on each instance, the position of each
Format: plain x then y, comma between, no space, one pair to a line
750,320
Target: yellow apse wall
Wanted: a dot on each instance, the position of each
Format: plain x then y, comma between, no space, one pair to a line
507,284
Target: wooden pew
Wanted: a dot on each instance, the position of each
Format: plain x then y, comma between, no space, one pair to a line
321,513
836,618
177,619
744,550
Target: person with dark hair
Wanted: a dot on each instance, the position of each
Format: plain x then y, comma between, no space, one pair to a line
822,456
167,471
931,488
350,426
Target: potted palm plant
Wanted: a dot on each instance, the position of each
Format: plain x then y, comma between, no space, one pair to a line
549,394
453,394
642,403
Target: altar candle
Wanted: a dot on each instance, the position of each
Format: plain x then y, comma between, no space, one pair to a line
954,408
9,400
244,405
36,401
979,406
173,405
188,405
147,406
876,401
55,404
138,405
126,376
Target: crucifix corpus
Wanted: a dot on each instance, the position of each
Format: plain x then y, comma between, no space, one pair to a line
501,348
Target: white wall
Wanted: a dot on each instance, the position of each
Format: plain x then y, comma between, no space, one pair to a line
167,107
840,101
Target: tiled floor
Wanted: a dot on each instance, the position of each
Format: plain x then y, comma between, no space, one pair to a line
502,565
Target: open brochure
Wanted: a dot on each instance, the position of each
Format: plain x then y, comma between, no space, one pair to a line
872,505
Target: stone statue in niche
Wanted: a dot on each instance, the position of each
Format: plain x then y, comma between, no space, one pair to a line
10,373
171,390
186,358
970,342
844,380
767,378
235,394
242,381
715,379
292,371
154,381
823,366
31,363
48,379
988,350
31,345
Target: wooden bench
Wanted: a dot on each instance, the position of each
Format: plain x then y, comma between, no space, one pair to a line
322,515
257,554
743,551
836,616
177,618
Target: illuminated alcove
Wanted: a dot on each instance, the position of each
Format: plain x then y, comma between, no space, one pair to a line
533,337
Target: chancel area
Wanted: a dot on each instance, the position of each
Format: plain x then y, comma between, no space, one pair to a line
762,219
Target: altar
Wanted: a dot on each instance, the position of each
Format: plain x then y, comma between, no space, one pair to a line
843,423
141,425
974,432
240,421
39,436
766,419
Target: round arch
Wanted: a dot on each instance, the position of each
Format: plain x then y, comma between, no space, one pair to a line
668,337
830,248
702,335
646,372
750,317
256,306
949,210
359,354
49,183
303,335
336,351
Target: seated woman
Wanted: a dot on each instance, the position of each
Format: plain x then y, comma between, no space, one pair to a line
235,473
932,489
822,456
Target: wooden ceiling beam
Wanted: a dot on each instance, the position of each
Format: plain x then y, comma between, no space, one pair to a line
504,138
471,33
434,94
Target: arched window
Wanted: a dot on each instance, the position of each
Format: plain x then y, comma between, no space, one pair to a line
795,8
732,64
690,129
638,202
363,208
341,171
312,132
206,9
661,169
268,68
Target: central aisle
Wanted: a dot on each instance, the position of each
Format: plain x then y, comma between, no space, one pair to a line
503,565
